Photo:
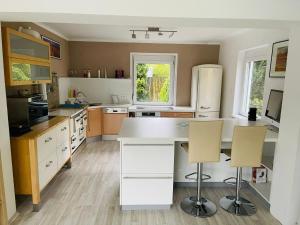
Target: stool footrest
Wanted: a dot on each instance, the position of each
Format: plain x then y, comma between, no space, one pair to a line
204,176
227,181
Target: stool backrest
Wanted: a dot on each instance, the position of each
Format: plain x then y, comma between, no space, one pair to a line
205,141
247,146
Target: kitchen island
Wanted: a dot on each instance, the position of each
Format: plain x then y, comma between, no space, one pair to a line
151,162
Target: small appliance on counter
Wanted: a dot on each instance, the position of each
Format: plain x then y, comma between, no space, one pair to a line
24,112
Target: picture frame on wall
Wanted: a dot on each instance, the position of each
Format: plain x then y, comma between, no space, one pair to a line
279,59
54,47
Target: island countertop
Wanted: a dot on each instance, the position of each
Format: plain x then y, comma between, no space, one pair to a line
176,129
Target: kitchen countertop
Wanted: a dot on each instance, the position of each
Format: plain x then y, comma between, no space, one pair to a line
139,108
41,128
176,129
68,112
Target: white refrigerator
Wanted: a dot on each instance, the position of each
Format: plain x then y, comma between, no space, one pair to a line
206,90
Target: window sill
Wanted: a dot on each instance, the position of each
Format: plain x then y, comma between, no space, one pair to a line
239,116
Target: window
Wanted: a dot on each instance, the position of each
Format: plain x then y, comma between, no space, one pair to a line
255,71
154,78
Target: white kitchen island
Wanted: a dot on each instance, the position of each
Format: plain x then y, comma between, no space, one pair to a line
149,163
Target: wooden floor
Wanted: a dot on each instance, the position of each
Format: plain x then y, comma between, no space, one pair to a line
88,194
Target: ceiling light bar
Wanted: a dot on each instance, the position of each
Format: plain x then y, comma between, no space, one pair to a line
153,30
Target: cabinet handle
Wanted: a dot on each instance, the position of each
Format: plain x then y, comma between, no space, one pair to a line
73,147
47,165
148,144
50,162
48,139
203,107
203,116
74,139
63,129
64,149
81,139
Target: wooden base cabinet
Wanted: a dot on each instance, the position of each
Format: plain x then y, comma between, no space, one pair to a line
38,156
112,122
177,114
3,212
94,122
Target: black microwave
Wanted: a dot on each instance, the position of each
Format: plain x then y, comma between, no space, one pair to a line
24,112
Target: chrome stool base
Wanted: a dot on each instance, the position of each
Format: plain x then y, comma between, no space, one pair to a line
204,208
241,208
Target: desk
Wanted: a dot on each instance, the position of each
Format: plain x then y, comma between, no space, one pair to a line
147,148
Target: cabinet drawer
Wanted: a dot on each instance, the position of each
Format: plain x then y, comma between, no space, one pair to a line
47,169
147,191
46,144
63,154
63,133
147,158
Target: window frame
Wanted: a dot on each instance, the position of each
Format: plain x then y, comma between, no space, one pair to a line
243,110
155,58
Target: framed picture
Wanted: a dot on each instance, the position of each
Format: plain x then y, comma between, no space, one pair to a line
279,59
54,47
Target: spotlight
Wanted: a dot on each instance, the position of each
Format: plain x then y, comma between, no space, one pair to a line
133,35
172,34
147,36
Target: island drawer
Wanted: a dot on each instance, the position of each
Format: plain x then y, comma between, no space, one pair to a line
147,191
147,158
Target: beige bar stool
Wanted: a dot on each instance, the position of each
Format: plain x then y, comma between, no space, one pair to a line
246,151
204,146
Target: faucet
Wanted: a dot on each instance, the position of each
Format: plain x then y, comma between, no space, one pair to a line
78,100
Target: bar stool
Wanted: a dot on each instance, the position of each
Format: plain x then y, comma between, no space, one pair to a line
204,146
246,151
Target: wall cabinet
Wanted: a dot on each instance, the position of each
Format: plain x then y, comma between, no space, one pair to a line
112,122
177,114
94,122
3,212
26,58
38,155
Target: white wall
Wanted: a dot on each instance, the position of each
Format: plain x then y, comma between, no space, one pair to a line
97,90
285,194
5,145
231,55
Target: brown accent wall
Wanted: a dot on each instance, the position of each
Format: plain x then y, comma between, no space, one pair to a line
58,66
92,55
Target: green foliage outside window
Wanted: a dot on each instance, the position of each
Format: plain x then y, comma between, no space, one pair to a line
154,88
21,71
257,85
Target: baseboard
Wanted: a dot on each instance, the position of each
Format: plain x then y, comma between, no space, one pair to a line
204,184
145,207
93,139
109,137
13,218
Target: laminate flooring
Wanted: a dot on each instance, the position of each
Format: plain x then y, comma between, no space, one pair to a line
88,194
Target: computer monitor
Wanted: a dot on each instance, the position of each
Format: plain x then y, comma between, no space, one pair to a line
273,110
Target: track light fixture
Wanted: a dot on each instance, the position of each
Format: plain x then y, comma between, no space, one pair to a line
133,35
153,30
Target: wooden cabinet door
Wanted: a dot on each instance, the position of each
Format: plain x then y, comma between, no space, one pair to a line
177,114
94,124
112,122
3,212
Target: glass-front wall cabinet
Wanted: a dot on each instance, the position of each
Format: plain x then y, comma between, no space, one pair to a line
28,48
26,58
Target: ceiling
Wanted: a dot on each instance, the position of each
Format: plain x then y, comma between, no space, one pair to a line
113,33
